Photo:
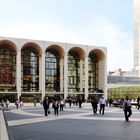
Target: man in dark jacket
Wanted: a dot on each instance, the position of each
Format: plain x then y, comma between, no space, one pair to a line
127,108
46,104
94,104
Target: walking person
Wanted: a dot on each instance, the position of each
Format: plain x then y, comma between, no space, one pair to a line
61,104
80,103
70,102
17,103
138,103
56,107
102,103
94,104
35,102
46,104
2,104
7,104
21,104
127,108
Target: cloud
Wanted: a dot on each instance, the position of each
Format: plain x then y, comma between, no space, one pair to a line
119,44
98,32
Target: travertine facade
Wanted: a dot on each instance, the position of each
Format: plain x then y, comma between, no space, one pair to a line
43,67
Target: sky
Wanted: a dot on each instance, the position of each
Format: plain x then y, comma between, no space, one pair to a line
104,23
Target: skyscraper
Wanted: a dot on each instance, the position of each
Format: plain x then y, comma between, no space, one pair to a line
137,36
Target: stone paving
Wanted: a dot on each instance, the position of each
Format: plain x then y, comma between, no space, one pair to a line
72,124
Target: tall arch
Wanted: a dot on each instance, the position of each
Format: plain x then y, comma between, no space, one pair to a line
54,54
95,69
76,56
30,53
7,66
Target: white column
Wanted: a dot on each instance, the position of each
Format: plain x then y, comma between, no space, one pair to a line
81,76
61,75
103,76
40,73
65,76
18,71
42,79
86,77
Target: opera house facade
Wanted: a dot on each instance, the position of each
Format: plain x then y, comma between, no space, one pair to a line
39,68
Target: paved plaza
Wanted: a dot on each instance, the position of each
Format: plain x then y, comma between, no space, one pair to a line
72,124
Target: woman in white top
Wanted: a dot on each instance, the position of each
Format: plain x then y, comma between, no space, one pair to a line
102,103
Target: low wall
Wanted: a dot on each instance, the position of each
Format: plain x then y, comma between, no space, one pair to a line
3,129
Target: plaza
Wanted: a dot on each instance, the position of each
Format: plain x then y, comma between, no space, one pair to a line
72,123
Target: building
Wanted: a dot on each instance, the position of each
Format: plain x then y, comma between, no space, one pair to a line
39,68
137,37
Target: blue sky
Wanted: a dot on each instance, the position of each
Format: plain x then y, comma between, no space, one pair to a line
106,23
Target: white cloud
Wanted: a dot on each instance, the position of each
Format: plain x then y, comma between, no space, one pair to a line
119,44
100,32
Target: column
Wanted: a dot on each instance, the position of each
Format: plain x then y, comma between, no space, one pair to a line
86,77
65,76
18,71
81,76
61,75
43,75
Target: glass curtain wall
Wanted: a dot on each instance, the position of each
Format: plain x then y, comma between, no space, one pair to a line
73,72
7,68
30,69
52,71
93,73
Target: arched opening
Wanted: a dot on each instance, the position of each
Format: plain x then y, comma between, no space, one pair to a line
53,55
7,66
95,56
75,56
29,68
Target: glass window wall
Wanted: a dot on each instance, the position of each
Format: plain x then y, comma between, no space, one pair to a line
52,71
93,73
29,69
7,68
73,72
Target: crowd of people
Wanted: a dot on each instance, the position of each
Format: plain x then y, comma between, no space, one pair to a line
59,104
56,104
5,104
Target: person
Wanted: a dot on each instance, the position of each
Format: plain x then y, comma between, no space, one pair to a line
138,103
17,103
110,102
80,103
35,102
102,103
56,107
127,108
61,104
70,102
7,104
46,104
21,104
2,104
94,103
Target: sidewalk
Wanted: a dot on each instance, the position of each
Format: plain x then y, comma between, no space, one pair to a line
72,123
3,129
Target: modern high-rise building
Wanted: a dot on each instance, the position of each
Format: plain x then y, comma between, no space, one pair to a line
136,36
39,68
